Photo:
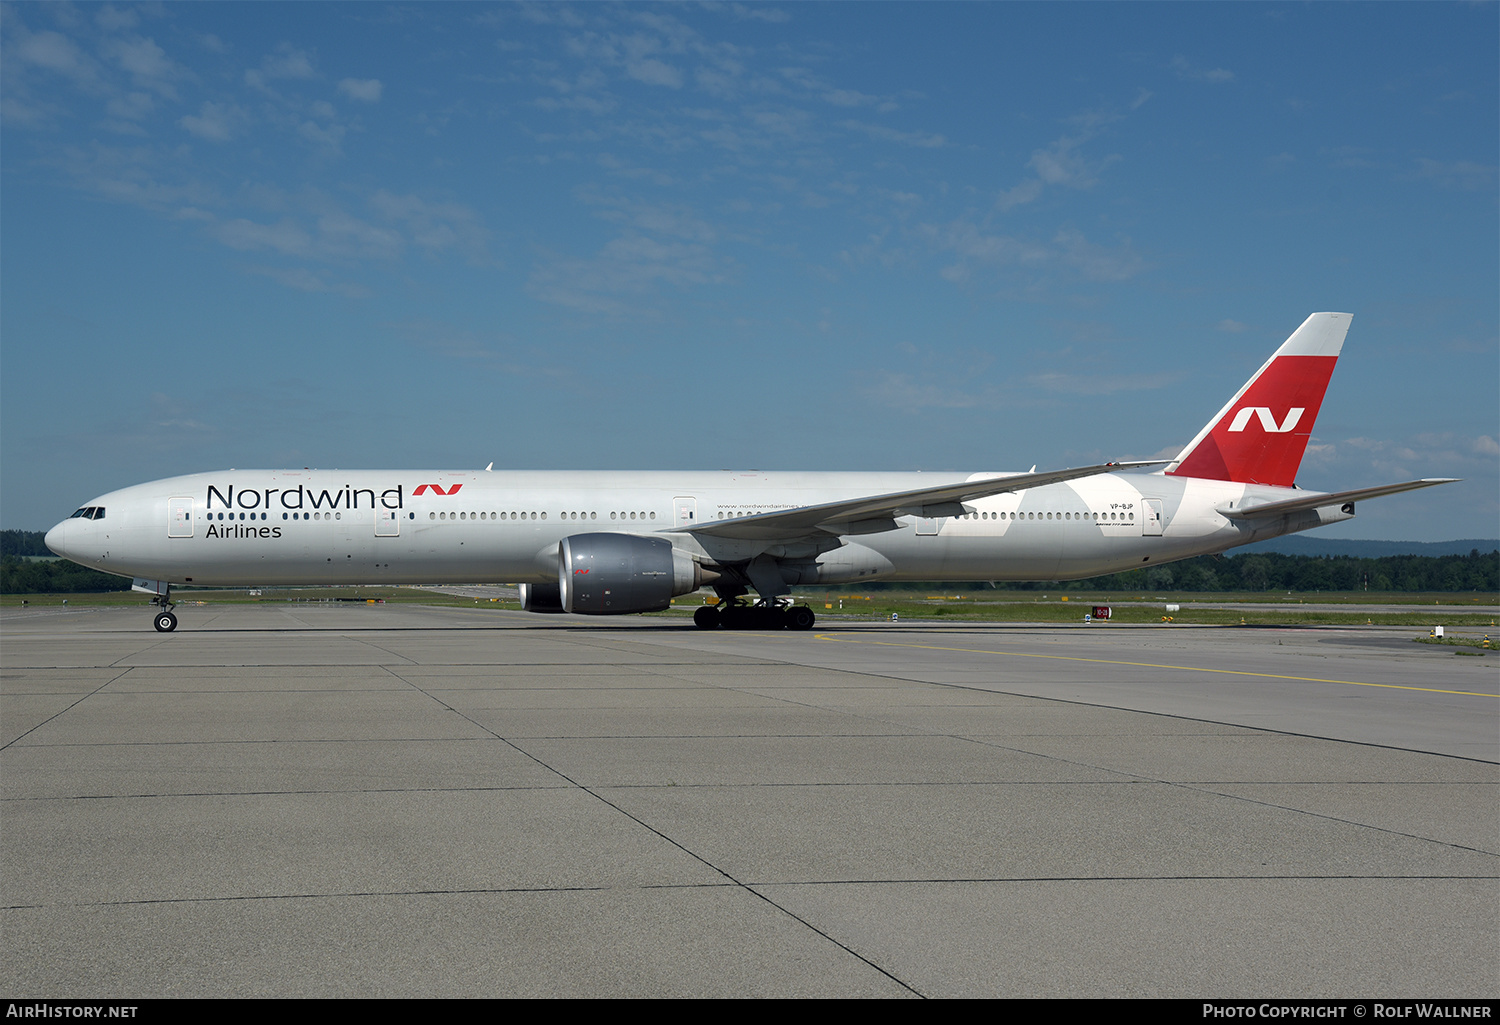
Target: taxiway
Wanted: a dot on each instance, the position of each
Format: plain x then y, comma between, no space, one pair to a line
399,800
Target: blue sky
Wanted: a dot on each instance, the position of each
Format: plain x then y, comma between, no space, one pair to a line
827,236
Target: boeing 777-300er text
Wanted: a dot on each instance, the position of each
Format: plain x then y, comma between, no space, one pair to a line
616,542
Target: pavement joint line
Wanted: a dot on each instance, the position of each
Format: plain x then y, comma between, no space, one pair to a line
750,887
63,711
1134,778
952,685
736,882
178,795
1150,665
372,644
667,839
1201,789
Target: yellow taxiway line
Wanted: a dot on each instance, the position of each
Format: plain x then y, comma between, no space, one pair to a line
1151,665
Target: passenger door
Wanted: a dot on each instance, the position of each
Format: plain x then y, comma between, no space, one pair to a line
179,517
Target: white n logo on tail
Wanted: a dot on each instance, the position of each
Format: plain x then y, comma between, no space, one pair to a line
1267,419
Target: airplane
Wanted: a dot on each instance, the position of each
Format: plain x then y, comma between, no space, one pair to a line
608,543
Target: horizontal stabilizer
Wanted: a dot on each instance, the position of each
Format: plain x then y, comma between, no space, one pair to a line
854,516
1291,505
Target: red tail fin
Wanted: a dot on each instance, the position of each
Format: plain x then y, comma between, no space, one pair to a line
1260,435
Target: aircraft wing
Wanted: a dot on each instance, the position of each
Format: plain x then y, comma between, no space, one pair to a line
878,513
1291,505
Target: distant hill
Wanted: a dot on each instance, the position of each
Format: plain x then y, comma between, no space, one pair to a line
1312,544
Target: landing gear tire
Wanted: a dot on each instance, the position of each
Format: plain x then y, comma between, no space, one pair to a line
755,617
165,622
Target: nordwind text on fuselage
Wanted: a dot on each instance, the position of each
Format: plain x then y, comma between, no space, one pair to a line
301,497
293,499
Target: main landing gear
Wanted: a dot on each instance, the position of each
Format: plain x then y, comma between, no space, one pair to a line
165,620
761,616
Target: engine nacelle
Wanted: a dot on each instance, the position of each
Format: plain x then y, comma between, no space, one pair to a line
540,598
612,574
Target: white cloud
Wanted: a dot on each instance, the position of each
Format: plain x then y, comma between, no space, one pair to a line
1099,384
884,134
287,238
968,241
1060,163
56,53
849,98
1465,175
337,236
341,233
434,226
629,266
657,218
654,72
751,12
1026,192
1430,454
494,351
286,61
329,137
1097,262
304,280
146,62
1068,247
111,19
366,89
912,394
1186,70
134,105
212,122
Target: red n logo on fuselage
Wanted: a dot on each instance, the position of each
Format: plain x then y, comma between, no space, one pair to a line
422,488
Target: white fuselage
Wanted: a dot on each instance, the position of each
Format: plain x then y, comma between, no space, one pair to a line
282,527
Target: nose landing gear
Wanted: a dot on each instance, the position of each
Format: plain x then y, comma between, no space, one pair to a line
165,620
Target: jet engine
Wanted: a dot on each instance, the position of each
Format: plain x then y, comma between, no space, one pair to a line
540,598
611,574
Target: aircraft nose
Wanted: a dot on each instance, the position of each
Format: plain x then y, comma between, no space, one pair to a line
56,539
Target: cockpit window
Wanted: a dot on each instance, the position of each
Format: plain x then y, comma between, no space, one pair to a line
89,512
98,512
79,513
